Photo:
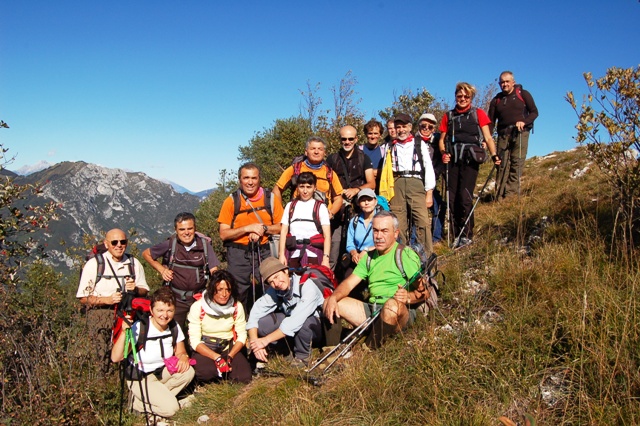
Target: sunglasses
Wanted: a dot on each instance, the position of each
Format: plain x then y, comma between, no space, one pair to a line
427,126
347,139
122,242
463,97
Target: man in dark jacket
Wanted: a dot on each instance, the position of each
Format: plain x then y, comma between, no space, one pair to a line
514,110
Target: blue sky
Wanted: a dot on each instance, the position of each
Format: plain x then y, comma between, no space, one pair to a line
172,88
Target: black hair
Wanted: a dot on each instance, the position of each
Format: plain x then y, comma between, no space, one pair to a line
307,178
181,217
217,277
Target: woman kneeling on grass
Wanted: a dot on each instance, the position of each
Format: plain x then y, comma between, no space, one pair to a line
217,332
153,386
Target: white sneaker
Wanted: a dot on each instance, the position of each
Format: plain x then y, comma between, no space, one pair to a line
186,402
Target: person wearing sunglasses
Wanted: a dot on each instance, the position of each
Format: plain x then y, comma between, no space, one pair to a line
464,135
355,171
105,277
427,124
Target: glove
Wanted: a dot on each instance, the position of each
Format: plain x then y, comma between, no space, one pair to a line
222,366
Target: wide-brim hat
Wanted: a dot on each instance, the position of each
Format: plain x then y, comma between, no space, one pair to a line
270,266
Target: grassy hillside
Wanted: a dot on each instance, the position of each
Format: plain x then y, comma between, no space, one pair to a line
539,316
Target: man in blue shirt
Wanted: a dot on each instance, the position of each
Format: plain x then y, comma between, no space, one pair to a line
287,310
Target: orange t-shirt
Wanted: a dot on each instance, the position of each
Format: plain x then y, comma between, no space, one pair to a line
246,216
331,190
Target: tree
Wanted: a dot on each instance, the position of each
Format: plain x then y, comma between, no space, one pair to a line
608,124
414,104
209,210
17,221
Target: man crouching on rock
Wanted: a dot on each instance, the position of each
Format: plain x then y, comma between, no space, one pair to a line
287,310
386,285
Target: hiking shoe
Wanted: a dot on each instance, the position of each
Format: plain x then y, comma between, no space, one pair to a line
299,363
463,242
186,402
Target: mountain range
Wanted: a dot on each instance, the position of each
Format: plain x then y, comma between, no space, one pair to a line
94,199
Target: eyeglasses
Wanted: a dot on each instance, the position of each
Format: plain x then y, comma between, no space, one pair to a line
463,97
122,242
347,139
427,126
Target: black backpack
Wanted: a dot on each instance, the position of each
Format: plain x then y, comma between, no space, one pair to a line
235,196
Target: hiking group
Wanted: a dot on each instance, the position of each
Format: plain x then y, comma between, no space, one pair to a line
352,247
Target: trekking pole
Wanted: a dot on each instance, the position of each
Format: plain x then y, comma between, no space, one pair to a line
520,161
475,204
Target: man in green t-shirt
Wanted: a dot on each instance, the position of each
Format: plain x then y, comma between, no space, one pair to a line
386,283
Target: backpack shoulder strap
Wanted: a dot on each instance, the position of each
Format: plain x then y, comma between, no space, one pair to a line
474,111
292,207
173,326
235,196
268,202
399,264
316,215
132,265
100,270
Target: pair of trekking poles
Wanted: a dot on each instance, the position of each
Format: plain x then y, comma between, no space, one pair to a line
345,345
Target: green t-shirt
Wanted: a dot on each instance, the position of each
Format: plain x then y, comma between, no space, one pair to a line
384,275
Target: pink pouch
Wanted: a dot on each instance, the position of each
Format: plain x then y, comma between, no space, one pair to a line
172,364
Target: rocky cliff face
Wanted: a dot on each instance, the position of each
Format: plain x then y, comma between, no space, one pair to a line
94,199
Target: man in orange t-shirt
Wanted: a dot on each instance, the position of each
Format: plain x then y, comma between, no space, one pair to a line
246,236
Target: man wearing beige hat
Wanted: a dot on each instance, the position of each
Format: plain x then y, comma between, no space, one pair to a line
288,310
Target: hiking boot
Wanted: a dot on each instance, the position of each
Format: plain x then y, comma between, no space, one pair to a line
463,242
299,363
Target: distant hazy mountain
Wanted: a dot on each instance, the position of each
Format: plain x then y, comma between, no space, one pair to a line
95,199
183,190
33,168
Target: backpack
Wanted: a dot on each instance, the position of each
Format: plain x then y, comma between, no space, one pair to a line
98,252
169,257
315,217
518,90
235,196
297,169
322,276
473,112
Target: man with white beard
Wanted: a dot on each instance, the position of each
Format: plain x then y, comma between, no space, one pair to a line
355,172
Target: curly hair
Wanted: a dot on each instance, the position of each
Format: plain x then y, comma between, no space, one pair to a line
217,277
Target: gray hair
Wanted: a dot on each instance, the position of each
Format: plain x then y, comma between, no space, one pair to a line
315,139
387,213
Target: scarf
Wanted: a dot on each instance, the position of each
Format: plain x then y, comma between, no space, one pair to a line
409,139
212,308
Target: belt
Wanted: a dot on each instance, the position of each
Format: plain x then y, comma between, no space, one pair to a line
183,293
406,173
247,247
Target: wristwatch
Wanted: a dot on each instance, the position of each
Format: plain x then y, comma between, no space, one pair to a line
265,228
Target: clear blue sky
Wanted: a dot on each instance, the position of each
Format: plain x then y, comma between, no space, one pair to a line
172,88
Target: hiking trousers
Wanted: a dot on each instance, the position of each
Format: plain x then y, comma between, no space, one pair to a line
244,264
409,204
514,146
159,395
309,334
462,182
206,369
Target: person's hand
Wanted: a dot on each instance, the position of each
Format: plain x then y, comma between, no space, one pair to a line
261,354
348,194
257,344
167,275
446,158
253,237
223,366
283,259
520,125
183,363
116,298
325,261
402,295
429,199
496,160
129,284
355,257
330,309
